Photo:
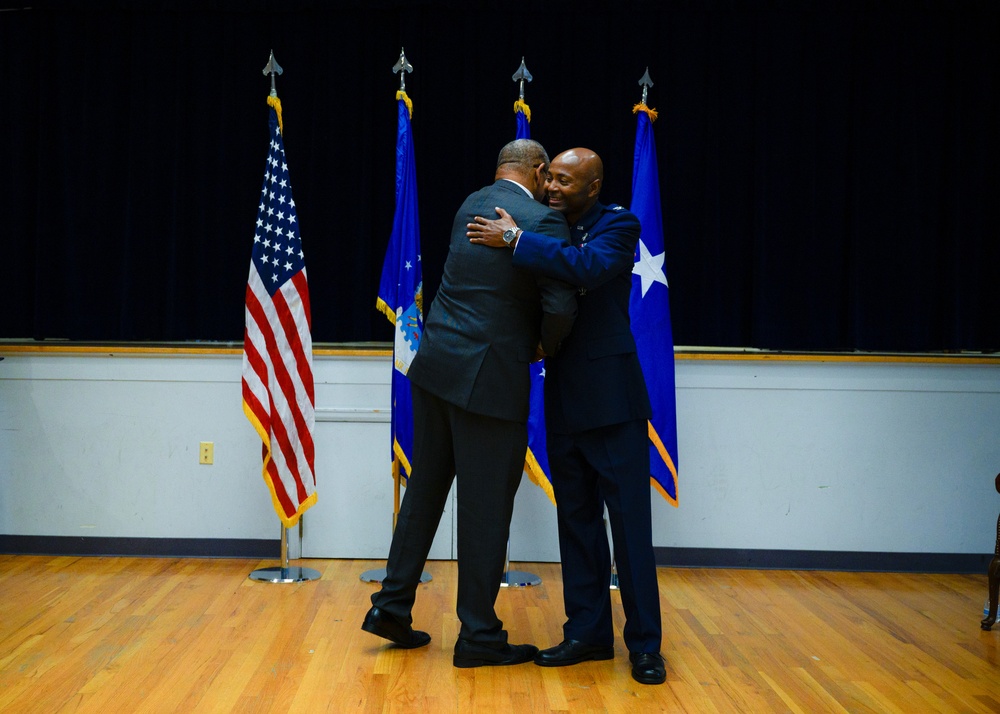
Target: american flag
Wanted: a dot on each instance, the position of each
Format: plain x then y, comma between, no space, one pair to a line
278,396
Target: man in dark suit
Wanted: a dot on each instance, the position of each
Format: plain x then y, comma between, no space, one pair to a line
470,380
596,412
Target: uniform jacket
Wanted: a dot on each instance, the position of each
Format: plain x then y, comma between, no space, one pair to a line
488,317
596,379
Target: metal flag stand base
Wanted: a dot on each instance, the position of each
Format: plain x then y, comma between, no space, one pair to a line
293,574
517,578
285,573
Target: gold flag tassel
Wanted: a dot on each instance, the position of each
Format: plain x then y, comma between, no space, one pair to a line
409,104
521,106
275,104
640,107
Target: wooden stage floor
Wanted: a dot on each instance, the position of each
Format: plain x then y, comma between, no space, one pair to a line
197,635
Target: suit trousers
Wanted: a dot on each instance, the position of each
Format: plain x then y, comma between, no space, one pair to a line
590,469
486,456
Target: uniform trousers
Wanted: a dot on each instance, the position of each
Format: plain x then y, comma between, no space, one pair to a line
590,469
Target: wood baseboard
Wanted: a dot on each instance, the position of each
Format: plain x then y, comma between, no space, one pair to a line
149,547
852,561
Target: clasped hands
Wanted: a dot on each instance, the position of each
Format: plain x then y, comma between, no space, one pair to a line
489,231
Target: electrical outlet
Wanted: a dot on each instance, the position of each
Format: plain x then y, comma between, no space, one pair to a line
206,452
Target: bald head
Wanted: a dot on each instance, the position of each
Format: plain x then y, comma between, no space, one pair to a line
574,182
584,162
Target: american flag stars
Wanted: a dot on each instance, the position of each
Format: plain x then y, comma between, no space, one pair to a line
277,249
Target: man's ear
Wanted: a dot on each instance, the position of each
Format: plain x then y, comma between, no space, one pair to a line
595,188
540,171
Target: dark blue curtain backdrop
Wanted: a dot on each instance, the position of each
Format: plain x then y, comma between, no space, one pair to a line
829,170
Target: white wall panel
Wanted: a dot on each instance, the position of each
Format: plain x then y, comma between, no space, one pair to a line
802,455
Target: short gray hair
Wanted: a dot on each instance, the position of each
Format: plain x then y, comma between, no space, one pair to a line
524,153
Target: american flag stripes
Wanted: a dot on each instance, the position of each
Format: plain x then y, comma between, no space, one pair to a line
278,394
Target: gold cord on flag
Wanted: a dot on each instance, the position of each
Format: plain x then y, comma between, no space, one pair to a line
381,305
275,104
521,106
537,475
651,113
409,104
667,460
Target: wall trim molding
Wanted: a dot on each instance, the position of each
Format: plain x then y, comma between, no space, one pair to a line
382,350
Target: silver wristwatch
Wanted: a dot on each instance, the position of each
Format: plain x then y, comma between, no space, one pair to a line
510,235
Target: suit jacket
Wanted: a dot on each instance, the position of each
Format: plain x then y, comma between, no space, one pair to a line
596,379
488,317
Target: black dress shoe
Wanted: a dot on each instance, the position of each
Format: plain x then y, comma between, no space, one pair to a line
571,652
648,667
381,623
474,654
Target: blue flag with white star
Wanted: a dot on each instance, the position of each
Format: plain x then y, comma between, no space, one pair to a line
400,292
649,309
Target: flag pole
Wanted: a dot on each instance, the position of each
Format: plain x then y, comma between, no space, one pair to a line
283,573
521,76
286,573
396,479
519,578
649,304
645,82
377,575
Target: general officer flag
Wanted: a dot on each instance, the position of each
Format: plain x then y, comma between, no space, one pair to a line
278,394
400,292
649,309
522,112
536,462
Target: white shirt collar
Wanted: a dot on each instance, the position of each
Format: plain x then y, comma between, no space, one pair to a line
523,188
